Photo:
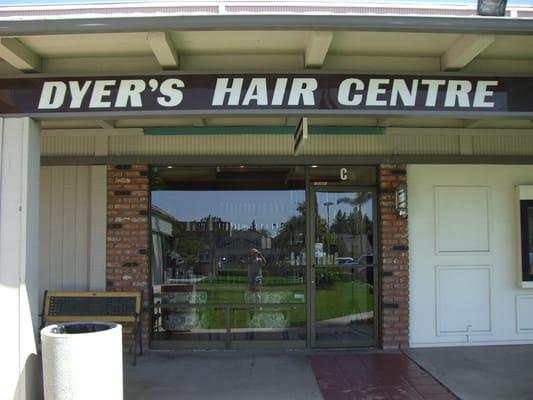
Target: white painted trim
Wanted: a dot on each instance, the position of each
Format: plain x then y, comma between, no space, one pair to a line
19,225
19,56
317,49
163,49
464,50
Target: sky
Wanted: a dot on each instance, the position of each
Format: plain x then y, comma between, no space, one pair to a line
44,2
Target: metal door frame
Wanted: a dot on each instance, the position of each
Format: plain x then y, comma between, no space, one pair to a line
311,191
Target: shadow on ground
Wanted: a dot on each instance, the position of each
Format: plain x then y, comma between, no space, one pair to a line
220,376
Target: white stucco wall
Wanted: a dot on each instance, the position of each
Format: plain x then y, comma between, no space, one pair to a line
464,261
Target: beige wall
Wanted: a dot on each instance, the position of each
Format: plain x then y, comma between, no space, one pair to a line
397,141
72,228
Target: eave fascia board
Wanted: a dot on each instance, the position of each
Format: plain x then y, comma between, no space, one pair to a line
492,25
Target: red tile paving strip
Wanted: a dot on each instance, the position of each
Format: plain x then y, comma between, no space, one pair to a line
373,376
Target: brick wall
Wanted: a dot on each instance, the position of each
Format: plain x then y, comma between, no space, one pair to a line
394,294
127,264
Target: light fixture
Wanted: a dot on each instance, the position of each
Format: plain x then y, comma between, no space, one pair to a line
170,167
314,166
401,200
491,8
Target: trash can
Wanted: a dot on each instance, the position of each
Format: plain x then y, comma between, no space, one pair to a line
82,361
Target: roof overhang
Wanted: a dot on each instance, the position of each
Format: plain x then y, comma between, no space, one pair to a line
494,25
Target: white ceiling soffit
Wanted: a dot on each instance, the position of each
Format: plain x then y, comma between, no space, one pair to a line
253,15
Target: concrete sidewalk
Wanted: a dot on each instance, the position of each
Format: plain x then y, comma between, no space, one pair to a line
481,373
220,375
471,373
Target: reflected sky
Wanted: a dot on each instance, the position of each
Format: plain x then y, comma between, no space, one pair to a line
267,208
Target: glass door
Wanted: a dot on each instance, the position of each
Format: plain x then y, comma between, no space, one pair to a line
343,272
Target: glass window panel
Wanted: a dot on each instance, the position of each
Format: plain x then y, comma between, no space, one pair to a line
233,236
344,248
344,228
269,323
191,323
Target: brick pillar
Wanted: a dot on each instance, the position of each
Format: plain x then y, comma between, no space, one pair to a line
127,264
394,242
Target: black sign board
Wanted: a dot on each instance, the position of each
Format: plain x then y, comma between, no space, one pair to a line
283,94
92,306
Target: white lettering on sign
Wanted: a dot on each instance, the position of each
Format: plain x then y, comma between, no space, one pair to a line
301,92
344,92
222,88
172,95
374,93
257,92
279,91
482,93
101,89
402,92
129,91
375,89
344,174
52,95
457,93
432,90
77,93
397,92
303,88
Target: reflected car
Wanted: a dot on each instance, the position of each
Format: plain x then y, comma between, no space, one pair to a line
360,268
365,259
344,260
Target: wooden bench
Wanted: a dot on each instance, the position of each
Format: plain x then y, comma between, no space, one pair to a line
120,307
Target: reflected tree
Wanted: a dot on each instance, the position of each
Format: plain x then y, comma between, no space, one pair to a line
358,223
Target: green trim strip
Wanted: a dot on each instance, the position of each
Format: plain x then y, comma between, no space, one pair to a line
262,130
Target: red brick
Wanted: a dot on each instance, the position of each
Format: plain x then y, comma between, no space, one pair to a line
123,242
393,230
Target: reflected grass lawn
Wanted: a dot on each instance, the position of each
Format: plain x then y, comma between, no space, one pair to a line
336,300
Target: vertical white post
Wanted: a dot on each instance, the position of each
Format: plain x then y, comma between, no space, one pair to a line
19,283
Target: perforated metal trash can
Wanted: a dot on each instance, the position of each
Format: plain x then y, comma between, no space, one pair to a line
82,361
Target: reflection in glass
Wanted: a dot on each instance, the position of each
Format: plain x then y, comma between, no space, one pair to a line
235,249
530,239
267,323
344,272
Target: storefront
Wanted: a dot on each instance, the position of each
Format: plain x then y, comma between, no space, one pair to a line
304,177
233,268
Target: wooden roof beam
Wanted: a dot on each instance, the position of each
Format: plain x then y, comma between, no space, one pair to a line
317,49
464,50
14,52
106,124
163,49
